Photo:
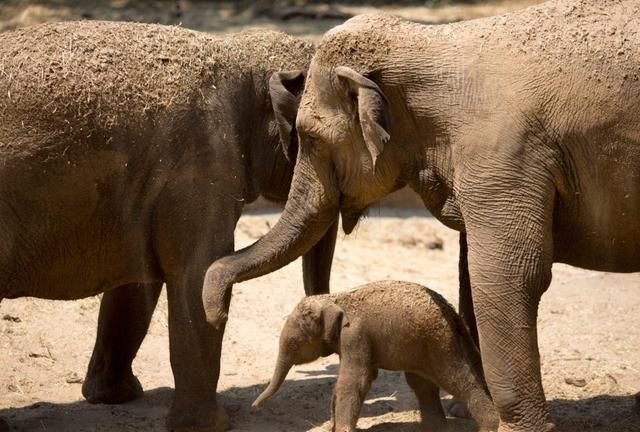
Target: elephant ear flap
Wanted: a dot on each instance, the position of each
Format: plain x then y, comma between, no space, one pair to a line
333,319
373,110
285,89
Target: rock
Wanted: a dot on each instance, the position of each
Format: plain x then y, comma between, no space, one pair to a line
576,382
74,378
435,244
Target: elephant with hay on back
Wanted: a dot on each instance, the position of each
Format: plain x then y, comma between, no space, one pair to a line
127,153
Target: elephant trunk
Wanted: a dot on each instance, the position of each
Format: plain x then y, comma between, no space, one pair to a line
312,208
282,369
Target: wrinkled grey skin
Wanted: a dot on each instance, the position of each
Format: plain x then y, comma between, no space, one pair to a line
520,131
387,325
151,196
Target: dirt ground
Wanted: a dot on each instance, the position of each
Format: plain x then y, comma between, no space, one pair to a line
589,322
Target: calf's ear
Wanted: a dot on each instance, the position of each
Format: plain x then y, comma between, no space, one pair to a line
373,110
286,89
333,319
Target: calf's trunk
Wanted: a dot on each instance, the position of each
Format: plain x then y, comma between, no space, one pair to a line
279,375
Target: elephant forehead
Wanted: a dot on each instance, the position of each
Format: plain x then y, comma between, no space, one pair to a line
319,122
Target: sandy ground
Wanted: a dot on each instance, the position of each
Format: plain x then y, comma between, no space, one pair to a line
589,322
588,335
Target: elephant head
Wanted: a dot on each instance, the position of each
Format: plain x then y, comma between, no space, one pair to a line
310,332
344,164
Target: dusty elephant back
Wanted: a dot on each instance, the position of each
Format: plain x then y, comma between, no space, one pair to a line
405,308
106,75
577,48
594,31
401,317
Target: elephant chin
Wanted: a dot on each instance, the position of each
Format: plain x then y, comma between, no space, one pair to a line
350,220
349,224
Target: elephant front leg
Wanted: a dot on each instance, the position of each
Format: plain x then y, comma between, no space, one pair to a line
125,314
316,264
191,234
354,381
510,268
195,359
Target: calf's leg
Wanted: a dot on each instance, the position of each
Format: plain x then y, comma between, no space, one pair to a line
432,418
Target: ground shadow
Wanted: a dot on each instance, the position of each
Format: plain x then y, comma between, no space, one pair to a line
597,414
144,414
299,406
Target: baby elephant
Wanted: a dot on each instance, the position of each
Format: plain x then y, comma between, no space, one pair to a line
391,325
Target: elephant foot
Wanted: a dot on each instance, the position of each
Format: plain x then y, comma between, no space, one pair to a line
100,389
205,417
4,426
455,408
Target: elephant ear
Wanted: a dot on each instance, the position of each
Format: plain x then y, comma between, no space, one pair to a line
373,110
333,319
285,89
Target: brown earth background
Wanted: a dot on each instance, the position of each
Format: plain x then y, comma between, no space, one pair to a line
589,322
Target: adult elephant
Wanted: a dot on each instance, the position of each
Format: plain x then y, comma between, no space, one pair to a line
128,152
521,131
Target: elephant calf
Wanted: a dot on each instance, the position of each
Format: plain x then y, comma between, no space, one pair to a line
390,325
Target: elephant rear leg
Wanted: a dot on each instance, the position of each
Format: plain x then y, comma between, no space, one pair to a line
125,314
432,418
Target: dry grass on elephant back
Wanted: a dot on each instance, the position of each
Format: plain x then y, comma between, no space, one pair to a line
108,73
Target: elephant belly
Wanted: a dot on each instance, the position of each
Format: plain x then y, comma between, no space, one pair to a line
76,263
597,215
601,235
73,234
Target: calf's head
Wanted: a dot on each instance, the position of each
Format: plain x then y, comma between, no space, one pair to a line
310,332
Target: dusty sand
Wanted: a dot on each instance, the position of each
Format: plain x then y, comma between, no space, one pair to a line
589,322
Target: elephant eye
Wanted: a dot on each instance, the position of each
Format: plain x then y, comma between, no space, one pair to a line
309,142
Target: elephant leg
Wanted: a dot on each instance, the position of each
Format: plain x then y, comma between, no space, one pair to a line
196,347
316,264
352,386
454,407
125,314
4,426
191,234
432,418
465,300
510,263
